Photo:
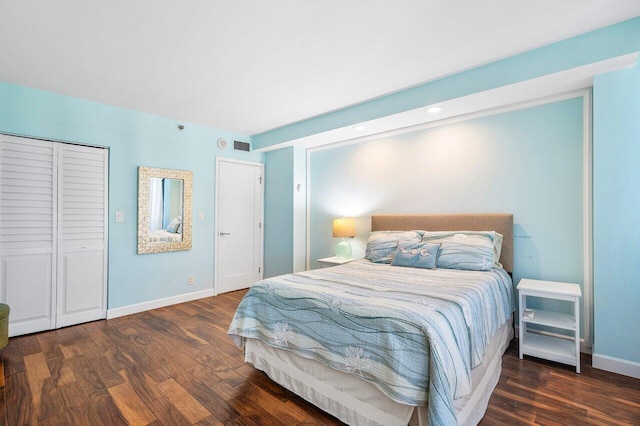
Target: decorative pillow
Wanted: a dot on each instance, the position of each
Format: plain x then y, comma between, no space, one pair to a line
382,245
174,224
417,255
473,238
454,255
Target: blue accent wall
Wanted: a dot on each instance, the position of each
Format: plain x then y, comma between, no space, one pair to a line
527,162
133,139
616,173
279,212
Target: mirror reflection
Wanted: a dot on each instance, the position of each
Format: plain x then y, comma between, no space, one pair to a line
165,209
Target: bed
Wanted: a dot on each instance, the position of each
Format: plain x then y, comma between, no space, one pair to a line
164,236
377,344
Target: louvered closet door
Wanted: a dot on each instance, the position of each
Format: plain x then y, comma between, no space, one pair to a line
27,232
82,214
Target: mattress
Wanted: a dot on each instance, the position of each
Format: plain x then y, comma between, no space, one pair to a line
164,236
357,402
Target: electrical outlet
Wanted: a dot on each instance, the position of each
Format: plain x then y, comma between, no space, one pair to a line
189,279
200,215
119,217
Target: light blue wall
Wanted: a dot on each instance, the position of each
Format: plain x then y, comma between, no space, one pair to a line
133,139
605,43
617,214
278,212
299,209
527,162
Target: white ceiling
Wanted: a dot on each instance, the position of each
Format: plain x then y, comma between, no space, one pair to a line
251,66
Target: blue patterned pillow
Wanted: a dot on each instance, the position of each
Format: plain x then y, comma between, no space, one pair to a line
458,255
174,224
416,255
382,245
469,250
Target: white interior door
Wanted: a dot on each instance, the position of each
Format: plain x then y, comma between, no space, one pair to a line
82,213
28,228
238,224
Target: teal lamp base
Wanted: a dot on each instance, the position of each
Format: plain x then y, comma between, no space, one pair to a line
343,249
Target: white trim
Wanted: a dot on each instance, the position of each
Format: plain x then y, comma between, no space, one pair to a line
158,303
587,219
616,365
457,119
54,140
220,159
308,210
105,265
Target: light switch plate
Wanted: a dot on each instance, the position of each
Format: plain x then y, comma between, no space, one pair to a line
119,216
200,215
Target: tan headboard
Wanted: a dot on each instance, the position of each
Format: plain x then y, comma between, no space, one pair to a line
499,222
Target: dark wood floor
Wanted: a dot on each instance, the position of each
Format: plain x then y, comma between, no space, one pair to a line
176,366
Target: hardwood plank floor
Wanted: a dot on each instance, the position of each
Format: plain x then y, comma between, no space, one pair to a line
177,366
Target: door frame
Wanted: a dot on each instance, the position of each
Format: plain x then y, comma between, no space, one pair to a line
219,160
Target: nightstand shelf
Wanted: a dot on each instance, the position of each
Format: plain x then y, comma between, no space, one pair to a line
558,349
333,261
549,319
549,347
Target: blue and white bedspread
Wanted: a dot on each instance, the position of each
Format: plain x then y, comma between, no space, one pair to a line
413,333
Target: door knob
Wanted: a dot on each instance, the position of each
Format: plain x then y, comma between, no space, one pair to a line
224,233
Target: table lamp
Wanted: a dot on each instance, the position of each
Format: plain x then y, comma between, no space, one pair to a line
344,228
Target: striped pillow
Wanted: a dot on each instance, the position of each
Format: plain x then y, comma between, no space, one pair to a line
475,238
382,245
464,256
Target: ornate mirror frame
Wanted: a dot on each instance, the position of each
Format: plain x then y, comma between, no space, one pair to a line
144,178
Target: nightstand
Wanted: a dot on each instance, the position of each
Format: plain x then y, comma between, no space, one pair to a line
566,351
333,261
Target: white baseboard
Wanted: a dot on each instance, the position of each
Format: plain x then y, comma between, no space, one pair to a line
616,365
158,303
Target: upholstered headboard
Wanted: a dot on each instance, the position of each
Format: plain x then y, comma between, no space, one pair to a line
499,222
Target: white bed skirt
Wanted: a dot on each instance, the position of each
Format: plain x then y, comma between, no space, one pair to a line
357,402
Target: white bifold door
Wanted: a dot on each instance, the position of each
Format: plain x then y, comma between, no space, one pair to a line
53,233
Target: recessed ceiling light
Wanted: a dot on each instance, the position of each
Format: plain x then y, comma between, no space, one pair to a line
434,109
359,127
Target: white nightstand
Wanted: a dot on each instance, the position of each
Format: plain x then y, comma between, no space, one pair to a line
549,347
333,261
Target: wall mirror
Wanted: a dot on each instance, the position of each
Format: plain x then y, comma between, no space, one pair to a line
164,210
